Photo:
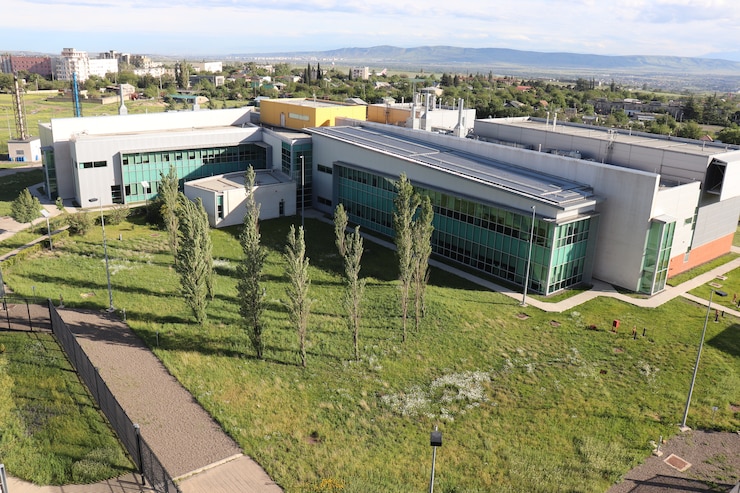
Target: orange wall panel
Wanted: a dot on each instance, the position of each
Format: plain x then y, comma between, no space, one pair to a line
700,255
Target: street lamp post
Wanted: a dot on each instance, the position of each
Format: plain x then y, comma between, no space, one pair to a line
698,356
529,259
303,188
46,215
105,252
435,441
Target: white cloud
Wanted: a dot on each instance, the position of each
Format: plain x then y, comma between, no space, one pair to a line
658,27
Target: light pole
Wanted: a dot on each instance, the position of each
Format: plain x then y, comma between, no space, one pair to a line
303,187
529,259
105,252
435,441
145,186
46,215
698,356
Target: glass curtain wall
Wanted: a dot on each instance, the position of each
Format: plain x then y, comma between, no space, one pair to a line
657,256
189,163
291,166
485,237
47,155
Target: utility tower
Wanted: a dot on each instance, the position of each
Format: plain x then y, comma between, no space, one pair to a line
19,110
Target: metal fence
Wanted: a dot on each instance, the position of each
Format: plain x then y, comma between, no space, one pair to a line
149,465
17,313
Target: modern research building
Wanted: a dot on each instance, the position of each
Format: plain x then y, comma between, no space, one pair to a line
556,205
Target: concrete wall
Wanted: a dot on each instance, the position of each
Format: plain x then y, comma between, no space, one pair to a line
267,196
679,203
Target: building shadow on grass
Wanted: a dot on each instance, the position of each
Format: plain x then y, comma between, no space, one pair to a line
727,341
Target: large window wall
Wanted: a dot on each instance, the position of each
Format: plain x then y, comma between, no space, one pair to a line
486,237
293,157
190,164
657,257
47,155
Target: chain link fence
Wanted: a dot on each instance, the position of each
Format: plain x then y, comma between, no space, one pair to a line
146,460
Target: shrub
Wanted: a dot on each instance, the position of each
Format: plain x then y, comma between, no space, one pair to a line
118,214
80,222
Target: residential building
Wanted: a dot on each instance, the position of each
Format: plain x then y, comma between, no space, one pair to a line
40,65
362,73
207,66
74,61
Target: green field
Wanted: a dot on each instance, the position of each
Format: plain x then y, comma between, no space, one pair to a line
527,401
52,432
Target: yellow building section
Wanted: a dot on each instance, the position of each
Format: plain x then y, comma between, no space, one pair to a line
306,113
390,115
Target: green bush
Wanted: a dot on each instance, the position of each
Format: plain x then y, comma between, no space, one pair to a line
80,222
22,255
118,214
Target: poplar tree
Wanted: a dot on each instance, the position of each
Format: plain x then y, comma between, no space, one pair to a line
250,291
340,227
168,191
355,285
405,203
194,258
422,250
298,303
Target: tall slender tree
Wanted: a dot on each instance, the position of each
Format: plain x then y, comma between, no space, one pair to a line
422,250
340,228
405,203
299,305
168,192
355,285
251,293
194,258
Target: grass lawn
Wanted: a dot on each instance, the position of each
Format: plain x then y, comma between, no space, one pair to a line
52,432
736,239
13,185
526,400
731,286
701,269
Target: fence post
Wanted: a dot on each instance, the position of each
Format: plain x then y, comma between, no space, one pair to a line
7,312
138,451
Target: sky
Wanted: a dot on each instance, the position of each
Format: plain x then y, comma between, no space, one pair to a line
222,27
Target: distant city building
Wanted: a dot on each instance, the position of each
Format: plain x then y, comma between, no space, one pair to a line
216,80
207,66
360,73
72,61
40,65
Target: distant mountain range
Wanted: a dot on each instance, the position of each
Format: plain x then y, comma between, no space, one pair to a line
502,59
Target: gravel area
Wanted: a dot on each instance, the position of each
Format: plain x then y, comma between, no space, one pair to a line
714,459
178,430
